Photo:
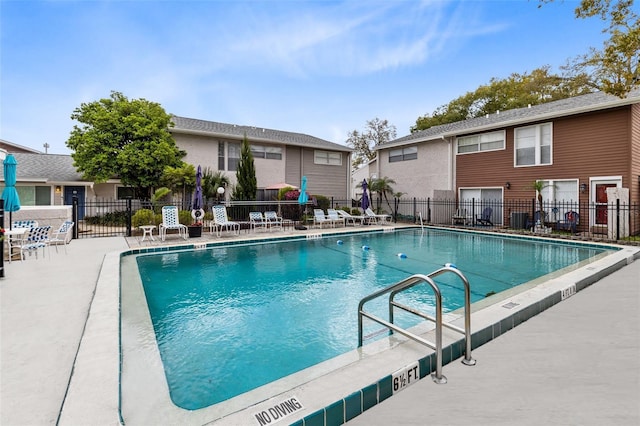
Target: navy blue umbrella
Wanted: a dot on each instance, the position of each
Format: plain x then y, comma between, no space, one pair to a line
364,203
10,194
198,213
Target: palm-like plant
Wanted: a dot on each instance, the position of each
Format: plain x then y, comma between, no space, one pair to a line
382,187
211,181
538,186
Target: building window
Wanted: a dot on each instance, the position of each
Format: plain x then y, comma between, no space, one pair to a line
34,195
559,197
484,142
268,152
124,192
533,145
327,157
234,156
221,155
403,154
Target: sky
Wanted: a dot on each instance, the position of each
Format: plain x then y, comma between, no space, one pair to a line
322,68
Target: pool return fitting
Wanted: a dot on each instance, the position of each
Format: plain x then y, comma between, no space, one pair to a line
408,283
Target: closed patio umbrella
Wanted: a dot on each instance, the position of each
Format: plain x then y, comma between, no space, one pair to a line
198,213
303,197
10,194
364,203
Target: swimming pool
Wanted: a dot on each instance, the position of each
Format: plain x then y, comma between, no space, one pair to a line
236,307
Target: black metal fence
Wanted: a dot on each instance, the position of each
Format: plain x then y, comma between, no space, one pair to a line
615,221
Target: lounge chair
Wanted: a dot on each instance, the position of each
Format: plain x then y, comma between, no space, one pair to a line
319,218
335,217
37,238
570,222
460,217
349,218
170,220
485,218
379,219
273,220
62,235
221,221
257,221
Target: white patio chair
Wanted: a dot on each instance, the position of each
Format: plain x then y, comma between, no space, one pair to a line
37,238
334,217
62,236
349,218
273,219
319,218
257,221
170,220
221,221
380,219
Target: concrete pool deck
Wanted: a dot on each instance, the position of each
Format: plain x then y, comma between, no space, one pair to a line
560,367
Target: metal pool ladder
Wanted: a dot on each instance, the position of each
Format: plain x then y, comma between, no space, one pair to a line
410,282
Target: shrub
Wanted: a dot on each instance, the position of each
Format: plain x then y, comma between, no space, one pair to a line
322,202
144,217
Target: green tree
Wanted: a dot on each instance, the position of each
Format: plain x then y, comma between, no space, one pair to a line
515,91
615,67
247,184
180,179
376,132
127,139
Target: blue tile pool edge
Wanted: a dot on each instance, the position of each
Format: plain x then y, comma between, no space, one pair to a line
450,353
426,362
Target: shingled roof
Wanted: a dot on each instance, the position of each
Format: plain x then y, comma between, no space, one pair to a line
562,108
254,134
45,168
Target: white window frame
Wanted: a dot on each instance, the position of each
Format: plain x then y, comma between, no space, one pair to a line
554,207
538,143
482,142
267,152
403,154
328,158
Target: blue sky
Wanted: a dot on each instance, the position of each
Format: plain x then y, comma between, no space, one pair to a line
322,68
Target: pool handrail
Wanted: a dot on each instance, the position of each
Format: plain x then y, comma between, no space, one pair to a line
437,346
468,360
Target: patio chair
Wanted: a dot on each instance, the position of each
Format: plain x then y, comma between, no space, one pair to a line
257,221
24,223
221,221
170,220
537,218
273,220
37,238
333,216
62,235
349,218
570,222
460,217
485,217
379,219
319,218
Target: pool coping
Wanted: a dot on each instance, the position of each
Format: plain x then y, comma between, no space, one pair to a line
94,391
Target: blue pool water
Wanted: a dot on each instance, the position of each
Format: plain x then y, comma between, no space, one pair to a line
232,318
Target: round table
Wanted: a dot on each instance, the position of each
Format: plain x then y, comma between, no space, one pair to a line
147,230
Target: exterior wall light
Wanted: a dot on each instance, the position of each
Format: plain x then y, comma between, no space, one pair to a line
507,185
583,187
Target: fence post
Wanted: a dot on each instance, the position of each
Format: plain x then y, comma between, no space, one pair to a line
74,215
429,210
617,219
415,210
129,216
